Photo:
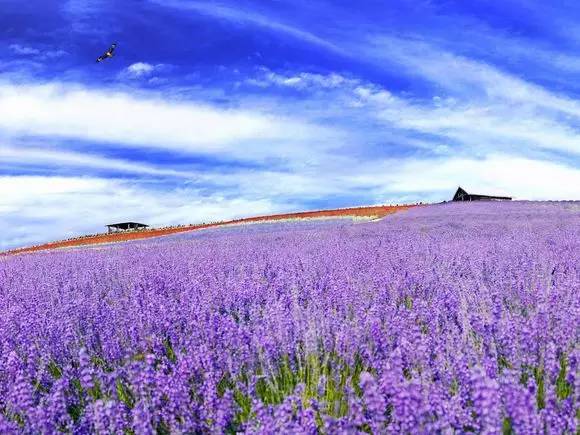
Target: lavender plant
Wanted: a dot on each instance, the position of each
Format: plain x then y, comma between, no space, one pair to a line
452,318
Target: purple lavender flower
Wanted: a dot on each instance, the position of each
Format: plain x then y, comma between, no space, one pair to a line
375,403
486,401
457,318
86,370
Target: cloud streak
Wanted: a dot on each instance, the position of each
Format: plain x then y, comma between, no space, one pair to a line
23,50
68,111
54,158
476,122
239,16
465,77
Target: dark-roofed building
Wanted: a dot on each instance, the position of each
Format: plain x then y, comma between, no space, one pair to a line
462,195
126,226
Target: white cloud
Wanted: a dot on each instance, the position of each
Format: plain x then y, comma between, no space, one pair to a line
23,50
35,52
70,111
53,54
143,69
529,118
140,68
476,123
303,80
489,126
519,177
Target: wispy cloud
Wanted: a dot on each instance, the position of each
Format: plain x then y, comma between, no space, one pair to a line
463,76
54,54
302,81
140,68
36,53
55,158
23,50
143,69
240,16
476,122
473,104
76,112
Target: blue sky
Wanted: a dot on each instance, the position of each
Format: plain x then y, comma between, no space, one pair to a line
214,110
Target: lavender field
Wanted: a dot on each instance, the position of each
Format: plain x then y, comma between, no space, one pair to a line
451,318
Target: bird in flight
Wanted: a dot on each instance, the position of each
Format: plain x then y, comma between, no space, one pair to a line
108,53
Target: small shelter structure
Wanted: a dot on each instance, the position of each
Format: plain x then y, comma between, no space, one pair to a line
462,195
126,226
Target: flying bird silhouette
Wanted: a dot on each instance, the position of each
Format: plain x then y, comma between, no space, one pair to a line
108,53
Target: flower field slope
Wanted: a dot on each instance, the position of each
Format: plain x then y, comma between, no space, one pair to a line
124,236
452,318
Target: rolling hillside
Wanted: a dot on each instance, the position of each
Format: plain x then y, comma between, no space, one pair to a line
370,212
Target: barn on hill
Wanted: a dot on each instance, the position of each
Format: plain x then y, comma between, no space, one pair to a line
125,226
462,195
